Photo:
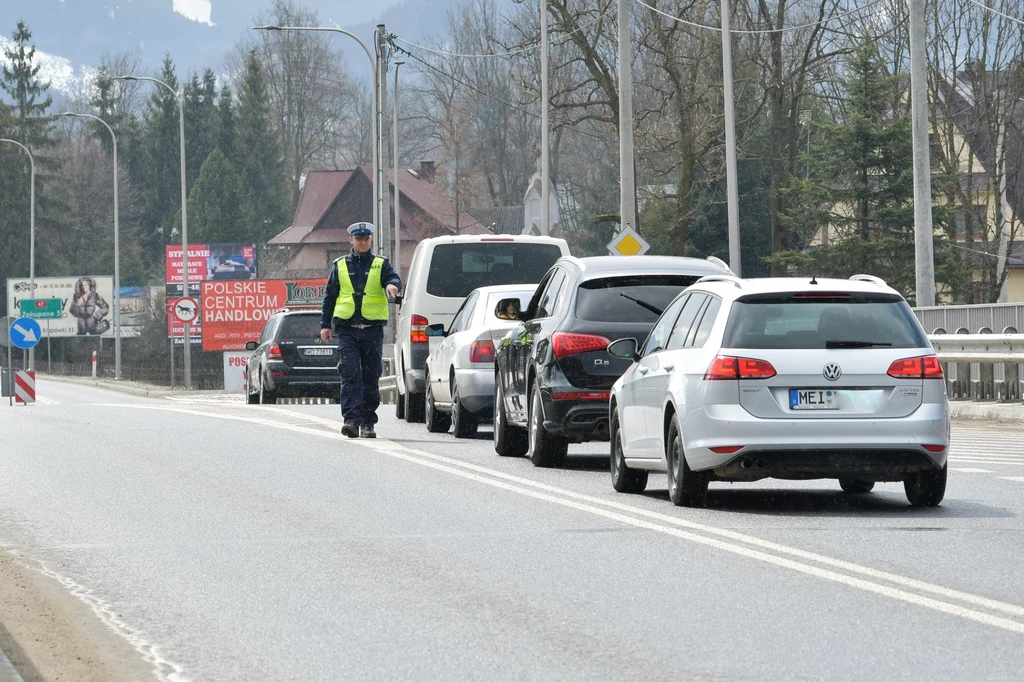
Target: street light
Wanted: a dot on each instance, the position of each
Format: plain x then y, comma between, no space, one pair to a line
545,141
184,215
32,236
117,250
396,252
378,201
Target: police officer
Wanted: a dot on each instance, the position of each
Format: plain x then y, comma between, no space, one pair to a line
356,308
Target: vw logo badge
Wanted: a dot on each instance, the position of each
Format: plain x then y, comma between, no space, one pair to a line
832,371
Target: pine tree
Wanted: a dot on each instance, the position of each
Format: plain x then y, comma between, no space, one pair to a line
260,161
226,126
201,121
862,187
160,173
214,205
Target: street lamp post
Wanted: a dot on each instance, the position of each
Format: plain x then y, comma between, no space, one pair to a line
396,251
375,103
545,141
32,236
117,249
184,216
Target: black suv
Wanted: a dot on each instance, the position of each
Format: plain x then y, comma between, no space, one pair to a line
552,375
290,359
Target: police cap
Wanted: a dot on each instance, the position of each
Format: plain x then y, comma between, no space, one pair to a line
361,229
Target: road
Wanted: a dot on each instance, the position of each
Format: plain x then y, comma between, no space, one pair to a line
212,540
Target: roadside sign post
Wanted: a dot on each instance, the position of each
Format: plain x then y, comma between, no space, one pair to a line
23,333
5,339
628,242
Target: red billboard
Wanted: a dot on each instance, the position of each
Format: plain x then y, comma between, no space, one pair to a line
234,312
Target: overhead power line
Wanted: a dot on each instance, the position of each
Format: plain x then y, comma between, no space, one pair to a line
760,31
510,53
995,11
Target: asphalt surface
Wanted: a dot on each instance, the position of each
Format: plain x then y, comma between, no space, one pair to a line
239,542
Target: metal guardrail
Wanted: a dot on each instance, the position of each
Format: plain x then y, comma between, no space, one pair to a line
981,366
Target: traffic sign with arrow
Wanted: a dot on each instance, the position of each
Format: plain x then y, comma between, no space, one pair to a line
25,333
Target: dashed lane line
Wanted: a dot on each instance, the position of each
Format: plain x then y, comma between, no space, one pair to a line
828,568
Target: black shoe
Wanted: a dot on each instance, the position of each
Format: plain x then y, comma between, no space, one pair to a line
366,431
350,429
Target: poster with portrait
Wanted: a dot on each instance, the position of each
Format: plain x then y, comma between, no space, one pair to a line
87,303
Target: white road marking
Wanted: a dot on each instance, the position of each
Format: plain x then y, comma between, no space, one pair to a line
665,523
165,670
43,400
972,471
1018,479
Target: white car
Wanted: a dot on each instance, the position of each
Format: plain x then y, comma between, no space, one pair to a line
460,369
442,273
789,378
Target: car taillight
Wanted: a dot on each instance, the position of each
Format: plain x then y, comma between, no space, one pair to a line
923,367
274,352
726,368
582,395
418,331
569,343
481,351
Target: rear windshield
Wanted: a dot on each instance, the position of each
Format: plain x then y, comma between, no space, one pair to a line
299,327
856,320
457,269
640,298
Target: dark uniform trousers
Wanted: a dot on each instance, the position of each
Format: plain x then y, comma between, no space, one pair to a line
359,364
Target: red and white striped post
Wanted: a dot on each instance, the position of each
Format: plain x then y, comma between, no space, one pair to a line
94,364
25,387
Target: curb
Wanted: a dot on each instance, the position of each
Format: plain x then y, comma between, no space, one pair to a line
989,411
131,388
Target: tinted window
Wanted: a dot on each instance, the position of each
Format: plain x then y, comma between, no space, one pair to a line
703,330
787,321
492,303
299,327
461,321
687,318
547,299
457,269
659,335
629,299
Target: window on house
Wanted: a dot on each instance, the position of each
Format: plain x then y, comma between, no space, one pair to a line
973,219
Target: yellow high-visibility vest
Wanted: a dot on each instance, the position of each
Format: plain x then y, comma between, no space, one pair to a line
375,301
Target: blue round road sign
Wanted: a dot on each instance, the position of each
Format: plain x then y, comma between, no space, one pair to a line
25,333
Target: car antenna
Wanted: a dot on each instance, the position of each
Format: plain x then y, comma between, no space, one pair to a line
814,279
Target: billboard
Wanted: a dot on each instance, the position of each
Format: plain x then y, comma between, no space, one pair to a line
216,262
235,312
86,303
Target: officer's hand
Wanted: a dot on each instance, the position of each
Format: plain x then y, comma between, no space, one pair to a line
325,335
391,290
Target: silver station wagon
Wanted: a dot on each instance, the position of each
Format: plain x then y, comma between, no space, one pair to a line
786,378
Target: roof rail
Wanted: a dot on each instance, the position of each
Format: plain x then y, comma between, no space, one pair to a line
869,278
721,263
732,279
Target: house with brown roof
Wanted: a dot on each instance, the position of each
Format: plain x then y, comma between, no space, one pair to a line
330,201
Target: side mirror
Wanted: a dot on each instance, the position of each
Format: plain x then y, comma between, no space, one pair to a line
435,329
508,309
251,345
624,348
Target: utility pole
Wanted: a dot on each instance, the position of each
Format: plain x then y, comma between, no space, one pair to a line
383,235
627,181
730,145
923,232
545,141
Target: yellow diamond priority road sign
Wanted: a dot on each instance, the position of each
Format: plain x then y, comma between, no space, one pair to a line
628,242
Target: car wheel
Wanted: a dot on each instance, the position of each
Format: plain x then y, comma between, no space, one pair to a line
251,397
436,421
624,479
509,441
546,450
399,404
686,488
414,407
926,488
855,485
463,423
266,397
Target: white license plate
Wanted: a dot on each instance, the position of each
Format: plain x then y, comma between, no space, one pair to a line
318,351
813,399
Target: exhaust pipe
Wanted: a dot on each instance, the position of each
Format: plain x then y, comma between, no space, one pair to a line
747,463
761,464
601,428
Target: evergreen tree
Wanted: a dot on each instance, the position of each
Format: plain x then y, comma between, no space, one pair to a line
160,171
260,160
226,125
201,120
861,189
215,213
